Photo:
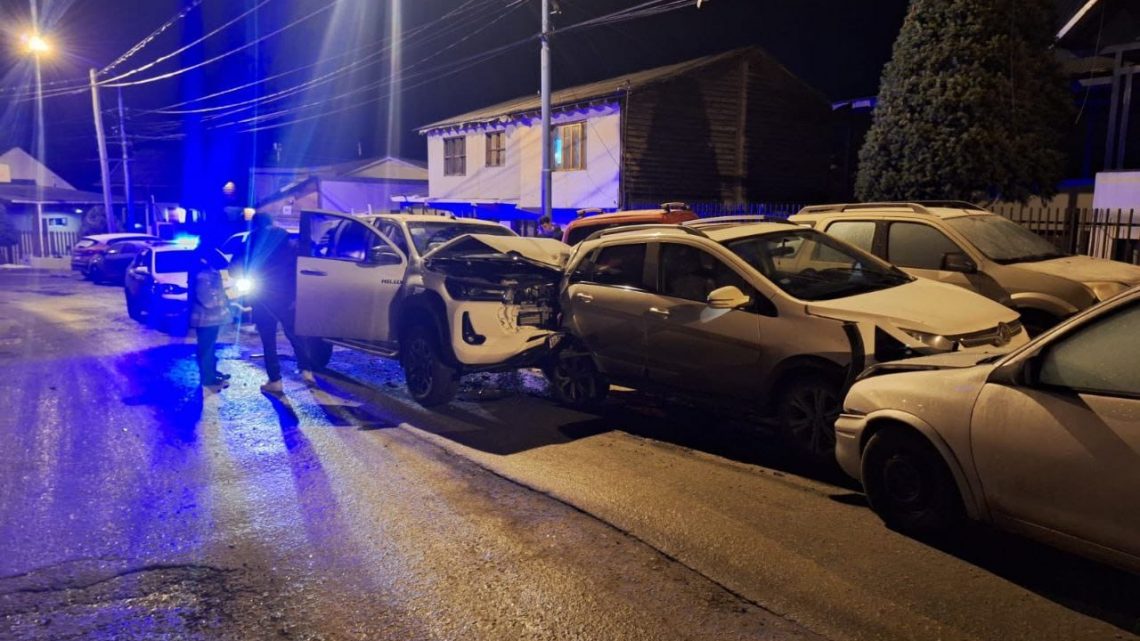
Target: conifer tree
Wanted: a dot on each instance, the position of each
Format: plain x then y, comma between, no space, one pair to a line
972,106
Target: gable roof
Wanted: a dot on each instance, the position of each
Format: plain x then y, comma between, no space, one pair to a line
25,167
23,194
609,87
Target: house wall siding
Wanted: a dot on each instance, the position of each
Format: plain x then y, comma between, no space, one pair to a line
684,141
480,182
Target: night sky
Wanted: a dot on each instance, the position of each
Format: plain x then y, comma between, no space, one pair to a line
838,46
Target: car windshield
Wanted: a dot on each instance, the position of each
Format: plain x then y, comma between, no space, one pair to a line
428,236
1004,241
811,266
172,262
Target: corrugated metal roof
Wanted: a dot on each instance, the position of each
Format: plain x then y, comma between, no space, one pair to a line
583,93
31,194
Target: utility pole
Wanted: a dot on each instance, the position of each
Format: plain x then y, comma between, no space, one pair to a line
104,165
545,187
126,163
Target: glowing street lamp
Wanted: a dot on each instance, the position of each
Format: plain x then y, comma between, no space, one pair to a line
37,45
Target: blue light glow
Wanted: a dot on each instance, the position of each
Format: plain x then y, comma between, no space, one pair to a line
188,241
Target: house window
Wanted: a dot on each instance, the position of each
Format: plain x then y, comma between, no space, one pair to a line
570,146
57,222
496,148
455,156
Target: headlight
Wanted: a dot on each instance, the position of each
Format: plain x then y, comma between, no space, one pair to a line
244,285
1106,290
933,341
474,291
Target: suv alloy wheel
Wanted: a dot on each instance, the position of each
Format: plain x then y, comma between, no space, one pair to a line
807,408
430,381
574,379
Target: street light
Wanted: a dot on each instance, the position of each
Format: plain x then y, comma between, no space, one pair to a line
36,44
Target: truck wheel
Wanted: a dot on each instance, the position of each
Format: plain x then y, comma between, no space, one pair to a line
319,352
430,381
574,379
807,408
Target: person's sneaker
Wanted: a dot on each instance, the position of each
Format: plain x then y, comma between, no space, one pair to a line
273,387
308,377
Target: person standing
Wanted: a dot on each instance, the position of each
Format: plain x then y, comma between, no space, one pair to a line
547,228
209,310
268,263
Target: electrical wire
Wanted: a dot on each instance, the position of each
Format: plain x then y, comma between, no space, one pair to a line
150,38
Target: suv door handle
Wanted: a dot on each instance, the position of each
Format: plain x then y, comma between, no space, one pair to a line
657,311
313,272
585,298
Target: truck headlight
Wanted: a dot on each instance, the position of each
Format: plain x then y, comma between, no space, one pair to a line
244,285
474,291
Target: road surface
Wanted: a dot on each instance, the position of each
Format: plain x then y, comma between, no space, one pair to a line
132,507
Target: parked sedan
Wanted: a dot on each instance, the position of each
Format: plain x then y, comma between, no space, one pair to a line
89,249
111,266
156,282
1044,441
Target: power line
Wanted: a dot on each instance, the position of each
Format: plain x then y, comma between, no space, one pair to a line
150,38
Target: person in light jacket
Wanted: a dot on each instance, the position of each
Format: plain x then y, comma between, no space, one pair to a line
209,310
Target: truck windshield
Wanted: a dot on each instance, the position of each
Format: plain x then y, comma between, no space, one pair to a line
429,235
811,266
1004,241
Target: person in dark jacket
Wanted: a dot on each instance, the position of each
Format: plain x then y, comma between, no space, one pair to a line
209,310
268,262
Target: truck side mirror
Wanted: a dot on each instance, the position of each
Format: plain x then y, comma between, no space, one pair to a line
384,255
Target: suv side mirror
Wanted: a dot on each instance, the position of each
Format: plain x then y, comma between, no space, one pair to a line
383,255
958,262
728,297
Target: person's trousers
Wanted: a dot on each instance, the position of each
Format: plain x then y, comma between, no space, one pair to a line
207,360
267,319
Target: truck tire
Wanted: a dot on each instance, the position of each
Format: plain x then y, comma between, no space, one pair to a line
430,381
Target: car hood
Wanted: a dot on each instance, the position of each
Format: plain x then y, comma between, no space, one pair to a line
545,252
945,360
1085,269
923,305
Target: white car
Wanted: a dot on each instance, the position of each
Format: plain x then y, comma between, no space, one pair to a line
1044,441
444,295
155,285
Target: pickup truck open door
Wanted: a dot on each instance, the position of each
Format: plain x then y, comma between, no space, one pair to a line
348,275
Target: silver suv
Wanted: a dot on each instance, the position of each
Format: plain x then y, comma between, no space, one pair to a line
962,244
772,316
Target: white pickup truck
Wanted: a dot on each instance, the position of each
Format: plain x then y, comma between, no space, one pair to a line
445,296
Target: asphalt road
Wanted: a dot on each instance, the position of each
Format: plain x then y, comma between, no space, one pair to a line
132,507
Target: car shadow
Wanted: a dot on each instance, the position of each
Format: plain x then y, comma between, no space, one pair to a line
1089,587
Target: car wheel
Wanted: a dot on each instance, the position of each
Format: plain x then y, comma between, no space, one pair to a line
908,484
574,379
807,408
89,272
133,309
430,381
